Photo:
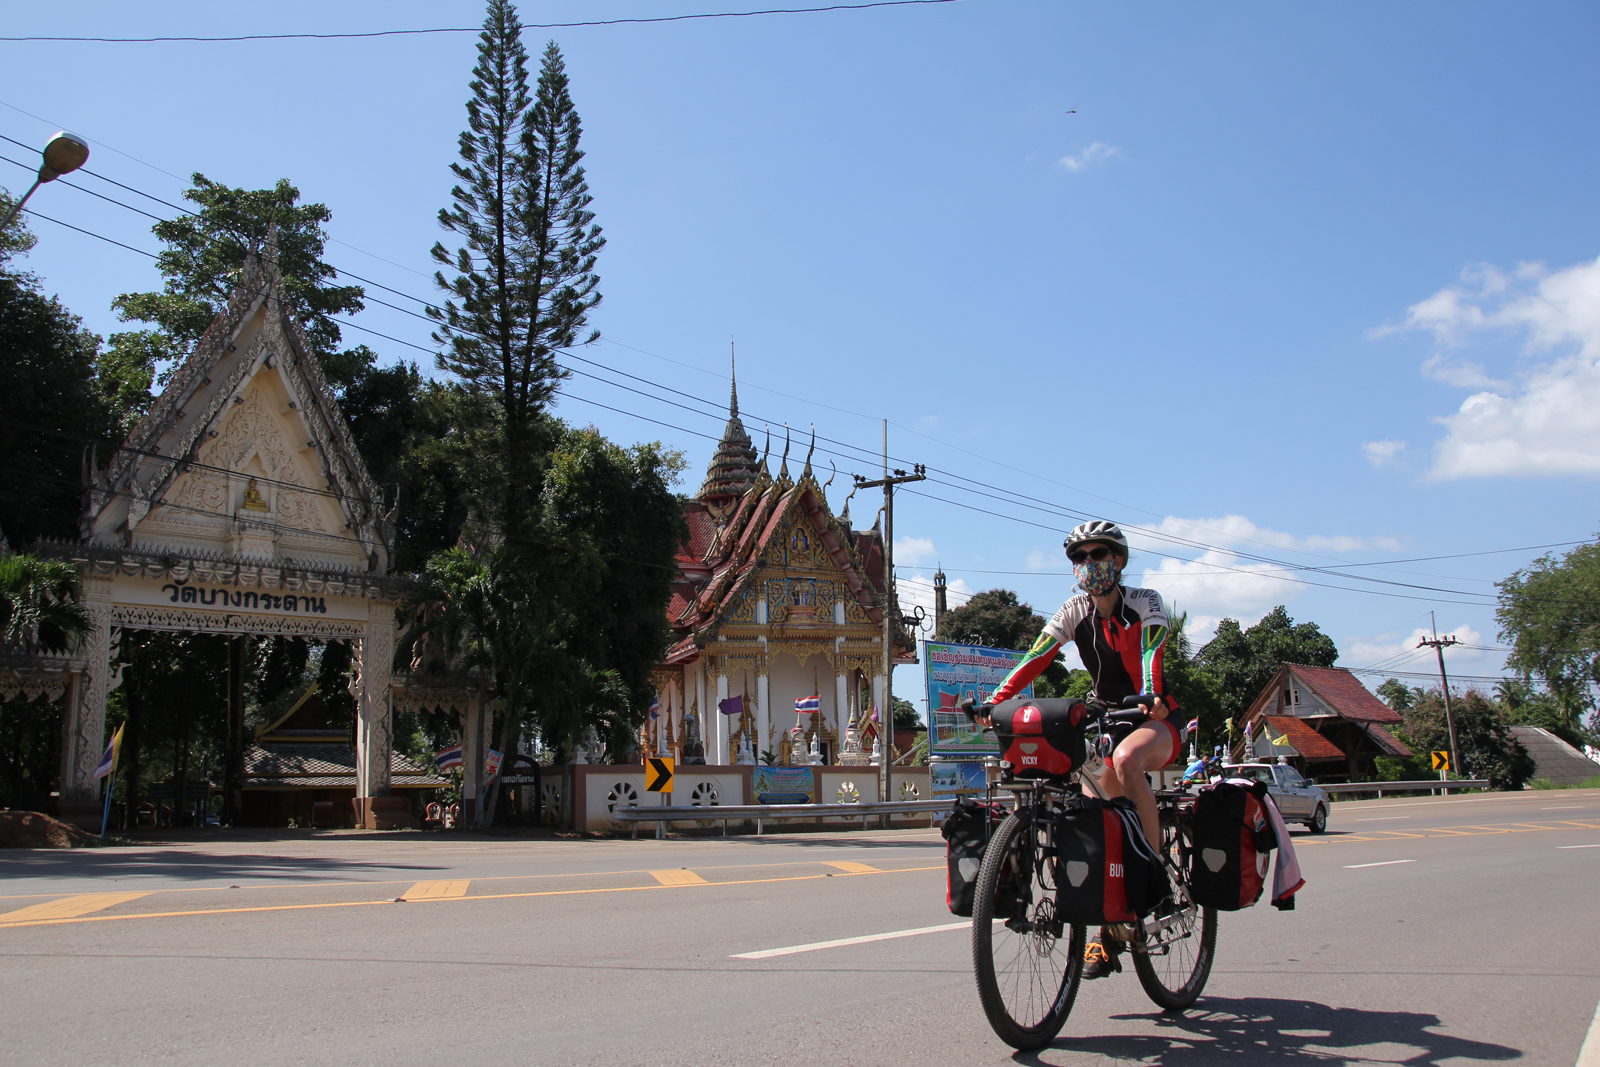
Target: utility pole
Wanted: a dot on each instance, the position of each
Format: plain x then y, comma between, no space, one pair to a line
891,607
1439,644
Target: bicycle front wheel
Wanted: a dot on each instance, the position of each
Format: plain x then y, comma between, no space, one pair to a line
1178,940
1027,963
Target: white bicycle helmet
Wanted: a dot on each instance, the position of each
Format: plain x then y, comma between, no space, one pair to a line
1097,531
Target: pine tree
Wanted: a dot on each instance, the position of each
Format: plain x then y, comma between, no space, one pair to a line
524,275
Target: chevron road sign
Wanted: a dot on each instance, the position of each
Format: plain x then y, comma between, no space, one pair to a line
1441,761
658,774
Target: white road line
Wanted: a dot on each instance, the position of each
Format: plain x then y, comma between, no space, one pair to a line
768,953
1386,818
1589,1055
1385,863
1577,846
1563,807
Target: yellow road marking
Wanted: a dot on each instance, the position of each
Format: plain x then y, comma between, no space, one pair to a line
679,877
852,867
444,900
437,890
67,907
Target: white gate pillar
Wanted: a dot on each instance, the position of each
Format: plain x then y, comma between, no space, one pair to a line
83,726
719,754
374,725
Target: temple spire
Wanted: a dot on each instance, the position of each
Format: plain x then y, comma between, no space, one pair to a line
733,468
733,378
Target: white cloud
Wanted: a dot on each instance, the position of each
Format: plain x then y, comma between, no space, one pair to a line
1229,530
1544,420
1096,153
914,551
1391,653
1220,585
1379,453
1046,561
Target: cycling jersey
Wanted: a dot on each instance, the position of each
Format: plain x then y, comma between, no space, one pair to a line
1122,653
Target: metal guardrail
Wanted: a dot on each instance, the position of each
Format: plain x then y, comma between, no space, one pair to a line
726,813
1407,787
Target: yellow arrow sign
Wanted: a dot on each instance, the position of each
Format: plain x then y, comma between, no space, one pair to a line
1441,761
658,774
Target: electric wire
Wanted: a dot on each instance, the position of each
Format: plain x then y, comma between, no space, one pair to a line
479,29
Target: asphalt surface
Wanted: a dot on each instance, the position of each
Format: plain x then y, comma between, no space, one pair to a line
1430,931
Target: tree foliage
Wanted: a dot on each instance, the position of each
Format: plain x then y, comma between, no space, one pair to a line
41,605
1240,662
1550,613
201,263
15,238
1487,746
48,379
523,279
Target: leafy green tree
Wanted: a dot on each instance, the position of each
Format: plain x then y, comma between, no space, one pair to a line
524,280
1550,613
996,618
1398,695
201,262
1488,747
41,607
15,239
1240,662
47,377
1192,687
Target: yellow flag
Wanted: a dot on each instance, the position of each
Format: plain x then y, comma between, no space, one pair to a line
1283,740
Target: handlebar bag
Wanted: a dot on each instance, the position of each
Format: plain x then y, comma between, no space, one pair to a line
1041,738
1106,871
1232,838
967,830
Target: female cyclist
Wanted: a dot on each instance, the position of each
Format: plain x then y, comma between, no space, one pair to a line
1120,633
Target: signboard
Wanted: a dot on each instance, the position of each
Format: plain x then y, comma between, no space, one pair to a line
948,780
658,774
491,763
520,779
1441,761
784,785
955,672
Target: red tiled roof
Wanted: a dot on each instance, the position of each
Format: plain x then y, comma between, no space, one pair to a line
1385,740
702,532
1306,741
682,652
1342,692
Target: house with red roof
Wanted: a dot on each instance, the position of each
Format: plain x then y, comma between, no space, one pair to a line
1323,720
778,603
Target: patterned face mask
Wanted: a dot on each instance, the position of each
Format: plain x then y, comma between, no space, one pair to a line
1097,579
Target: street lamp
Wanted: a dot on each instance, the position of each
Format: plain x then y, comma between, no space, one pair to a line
65,153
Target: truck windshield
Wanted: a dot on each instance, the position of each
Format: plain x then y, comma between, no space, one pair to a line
1260,774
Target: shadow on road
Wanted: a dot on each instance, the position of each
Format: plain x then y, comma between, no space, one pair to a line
1221,1030
193,866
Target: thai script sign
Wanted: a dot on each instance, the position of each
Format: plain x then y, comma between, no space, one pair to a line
955,672
785,785
240,598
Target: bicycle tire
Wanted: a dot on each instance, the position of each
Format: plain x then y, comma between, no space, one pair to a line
1015,970
1174,969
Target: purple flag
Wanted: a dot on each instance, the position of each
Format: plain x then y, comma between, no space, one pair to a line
731,706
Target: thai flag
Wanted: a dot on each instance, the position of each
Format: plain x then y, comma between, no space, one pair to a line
655,708
1194,724
449,757
808,705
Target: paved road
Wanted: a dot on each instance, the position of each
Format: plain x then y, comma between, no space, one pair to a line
1431,931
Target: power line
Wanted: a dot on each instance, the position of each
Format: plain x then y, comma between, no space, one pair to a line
479,29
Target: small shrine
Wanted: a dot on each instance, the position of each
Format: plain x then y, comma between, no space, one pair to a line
778,609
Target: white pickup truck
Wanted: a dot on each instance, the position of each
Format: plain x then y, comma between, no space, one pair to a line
1298,800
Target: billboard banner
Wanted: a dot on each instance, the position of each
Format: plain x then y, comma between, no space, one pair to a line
955,672
784,785
951,780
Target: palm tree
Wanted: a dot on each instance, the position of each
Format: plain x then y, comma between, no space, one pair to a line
40,605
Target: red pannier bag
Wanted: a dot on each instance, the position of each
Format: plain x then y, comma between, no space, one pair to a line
1232,839
1106,871
1041,738
967,830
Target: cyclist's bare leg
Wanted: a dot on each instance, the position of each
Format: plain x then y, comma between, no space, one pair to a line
1146,749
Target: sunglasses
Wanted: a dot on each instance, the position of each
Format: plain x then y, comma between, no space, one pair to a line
1097,554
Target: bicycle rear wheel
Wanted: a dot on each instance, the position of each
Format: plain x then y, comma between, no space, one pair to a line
1026,962
1177,942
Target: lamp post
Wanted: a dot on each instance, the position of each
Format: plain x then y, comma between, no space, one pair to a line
65,153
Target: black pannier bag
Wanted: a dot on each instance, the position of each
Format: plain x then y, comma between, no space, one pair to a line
1232,838
967,830
1106,871
1041,738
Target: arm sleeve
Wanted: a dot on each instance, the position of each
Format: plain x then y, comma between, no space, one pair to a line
1152,640
1031,665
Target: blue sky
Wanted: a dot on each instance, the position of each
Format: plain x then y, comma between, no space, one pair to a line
1295,285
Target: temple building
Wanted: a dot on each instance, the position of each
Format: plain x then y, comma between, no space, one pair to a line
777,600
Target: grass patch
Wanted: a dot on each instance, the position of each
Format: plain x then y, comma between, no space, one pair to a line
1545,783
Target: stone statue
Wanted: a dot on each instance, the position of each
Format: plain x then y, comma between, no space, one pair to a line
816,749
746,757
693,751
252,498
